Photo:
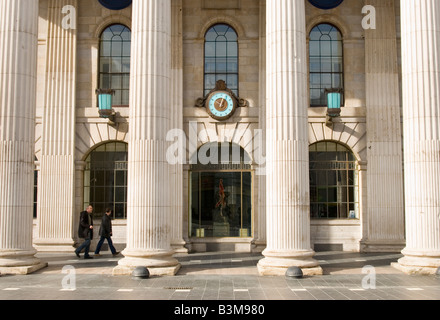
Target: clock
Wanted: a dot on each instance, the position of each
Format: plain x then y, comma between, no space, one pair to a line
115,4
221,105
326,4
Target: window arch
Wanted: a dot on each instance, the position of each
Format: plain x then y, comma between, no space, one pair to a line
326,62
221,57
105,179
114,62
334,187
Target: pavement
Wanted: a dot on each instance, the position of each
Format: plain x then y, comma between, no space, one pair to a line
223,285
225,276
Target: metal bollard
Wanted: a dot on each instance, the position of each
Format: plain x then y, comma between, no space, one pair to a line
294,272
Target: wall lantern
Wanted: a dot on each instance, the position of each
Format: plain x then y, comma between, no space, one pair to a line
105,104
334,104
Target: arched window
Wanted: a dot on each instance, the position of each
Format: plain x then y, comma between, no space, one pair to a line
105,179
334,189
221,57
220,192
326,62
114,62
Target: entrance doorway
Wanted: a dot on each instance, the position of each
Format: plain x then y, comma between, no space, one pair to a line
220,197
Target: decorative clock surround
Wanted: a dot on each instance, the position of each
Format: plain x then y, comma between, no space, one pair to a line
221,102
326,4
115,4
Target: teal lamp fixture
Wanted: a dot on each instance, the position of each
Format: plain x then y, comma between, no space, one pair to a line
334,104
105,104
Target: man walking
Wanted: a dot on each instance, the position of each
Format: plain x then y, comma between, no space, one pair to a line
106,233
85,231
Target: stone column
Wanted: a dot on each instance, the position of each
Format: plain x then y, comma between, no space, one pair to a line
260,219
18,66
56,192
385,213
421,118
176,184
287,197
148,221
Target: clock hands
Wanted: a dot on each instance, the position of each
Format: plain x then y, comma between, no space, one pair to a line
220,105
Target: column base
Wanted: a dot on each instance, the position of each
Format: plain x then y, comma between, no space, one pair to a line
179,247
159,263
154,271
382,246
22,270
276,263
20,262
54,245
259,246
416,263
281,271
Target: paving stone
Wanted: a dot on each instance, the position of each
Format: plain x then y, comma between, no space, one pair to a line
216,281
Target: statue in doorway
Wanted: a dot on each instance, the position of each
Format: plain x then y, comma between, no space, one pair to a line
221,204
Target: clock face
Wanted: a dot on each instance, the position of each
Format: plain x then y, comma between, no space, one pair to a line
221,106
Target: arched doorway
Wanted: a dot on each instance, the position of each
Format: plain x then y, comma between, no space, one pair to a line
220,192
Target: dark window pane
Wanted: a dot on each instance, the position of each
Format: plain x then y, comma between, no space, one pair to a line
326,48
125,97
105,64
116,48
105,81
232,49
120,211
120,194
210,49
210,65
232,81
106,49
209,81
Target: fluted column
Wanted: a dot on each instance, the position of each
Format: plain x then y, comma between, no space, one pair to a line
56,192
260,219
148,216
18,62
421,118
385,213
288,213
176,182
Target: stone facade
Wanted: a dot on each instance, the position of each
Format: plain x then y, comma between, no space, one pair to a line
69,127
